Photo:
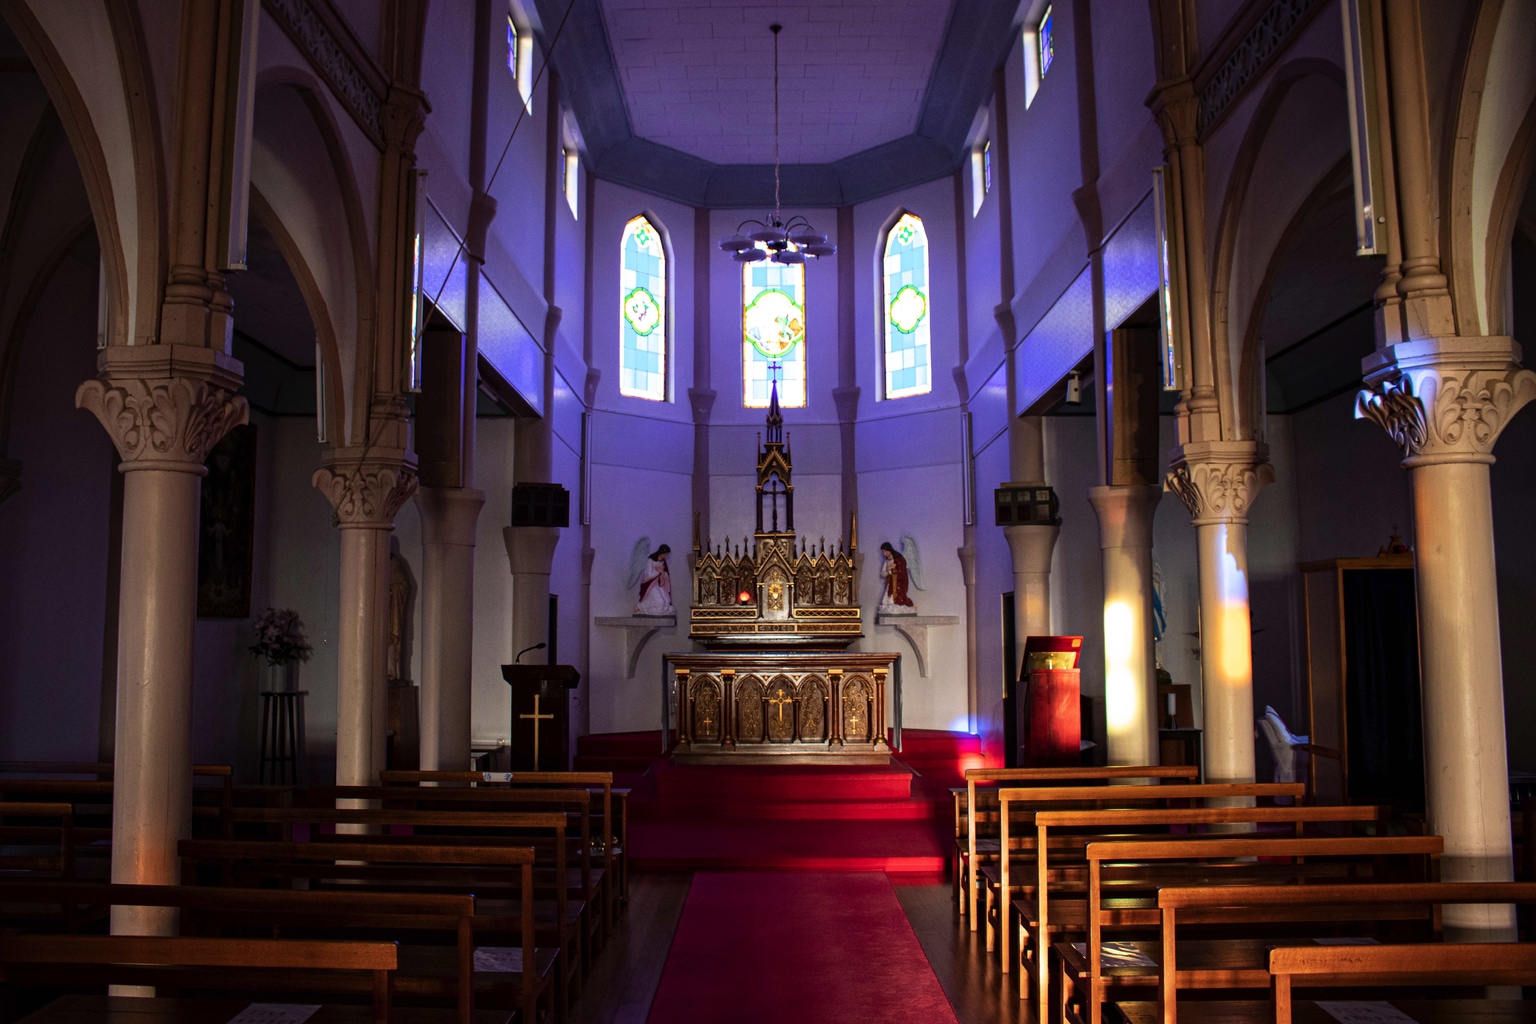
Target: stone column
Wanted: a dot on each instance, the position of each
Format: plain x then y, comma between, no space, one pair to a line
1031,547
165,407
1445,401
448,518
1130,659
531,554
366,487
1218,481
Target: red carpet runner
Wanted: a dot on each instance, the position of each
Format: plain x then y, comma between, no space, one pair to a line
800,948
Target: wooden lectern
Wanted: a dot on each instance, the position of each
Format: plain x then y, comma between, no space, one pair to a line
1053,704
541,716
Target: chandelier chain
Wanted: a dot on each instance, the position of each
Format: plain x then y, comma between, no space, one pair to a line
775,122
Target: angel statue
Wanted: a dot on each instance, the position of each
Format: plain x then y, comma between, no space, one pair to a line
899,569
648,569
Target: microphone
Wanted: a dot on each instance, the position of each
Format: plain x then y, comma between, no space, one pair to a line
525,650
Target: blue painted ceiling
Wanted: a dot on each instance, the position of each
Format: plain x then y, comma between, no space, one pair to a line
674,97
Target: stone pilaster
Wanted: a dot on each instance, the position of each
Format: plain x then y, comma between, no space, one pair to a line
366,487
1218,482
1445,401
165,407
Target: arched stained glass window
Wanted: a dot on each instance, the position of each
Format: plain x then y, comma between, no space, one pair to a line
908,360
643,313
773,332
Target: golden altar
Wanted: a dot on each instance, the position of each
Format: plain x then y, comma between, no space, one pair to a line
775,614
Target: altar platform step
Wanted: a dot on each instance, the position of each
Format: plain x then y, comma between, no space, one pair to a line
775,783
904,848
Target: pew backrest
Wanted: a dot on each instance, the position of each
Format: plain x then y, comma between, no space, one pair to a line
1476,963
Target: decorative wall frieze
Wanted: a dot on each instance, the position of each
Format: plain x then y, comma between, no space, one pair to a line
168,423
1219,480
1248,57
10,478
1446,399
366,486
319,32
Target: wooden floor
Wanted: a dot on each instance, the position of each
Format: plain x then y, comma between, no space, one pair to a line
625,976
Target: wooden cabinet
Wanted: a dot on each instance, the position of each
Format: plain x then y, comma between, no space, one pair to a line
1363,713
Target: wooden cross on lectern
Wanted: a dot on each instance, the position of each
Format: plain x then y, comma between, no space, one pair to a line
537,718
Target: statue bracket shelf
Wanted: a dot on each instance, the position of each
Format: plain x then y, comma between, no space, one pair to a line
915,629
638,630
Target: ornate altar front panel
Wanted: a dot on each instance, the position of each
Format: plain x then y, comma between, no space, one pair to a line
781,707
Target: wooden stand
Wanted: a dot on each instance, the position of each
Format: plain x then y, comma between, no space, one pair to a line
541,716
1055,718
282,736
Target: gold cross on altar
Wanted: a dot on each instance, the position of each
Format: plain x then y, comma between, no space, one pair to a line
537,718
780,701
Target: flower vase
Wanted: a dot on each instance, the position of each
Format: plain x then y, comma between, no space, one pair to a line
282,678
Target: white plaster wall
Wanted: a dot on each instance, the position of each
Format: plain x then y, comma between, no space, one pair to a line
53,536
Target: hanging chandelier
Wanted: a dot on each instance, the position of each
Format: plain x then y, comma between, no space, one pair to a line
789,242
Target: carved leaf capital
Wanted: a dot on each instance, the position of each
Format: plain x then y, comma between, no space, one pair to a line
1446,413
1219,487
366,494
162,422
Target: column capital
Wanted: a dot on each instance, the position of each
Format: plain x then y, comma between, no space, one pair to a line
1176,107
449,514
1219,480
847,402
1445,399
1032,545
366,486
1125,514
10,478
702,401
530,549
165,406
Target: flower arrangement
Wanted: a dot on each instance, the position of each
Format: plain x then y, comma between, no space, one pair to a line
280,637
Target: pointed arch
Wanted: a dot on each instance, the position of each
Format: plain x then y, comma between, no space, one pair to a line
906,350
644,310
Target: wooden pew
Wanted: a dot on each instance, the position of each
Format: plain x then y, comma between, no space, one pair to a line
506,903
307,914
978,849
92,797
615,806
575,803
1139,867
1033,930
1254,907
26,826
102,959
999,890
1451,963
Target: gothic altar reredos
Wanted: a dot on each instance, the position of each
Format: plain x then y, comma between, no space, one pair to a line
775,615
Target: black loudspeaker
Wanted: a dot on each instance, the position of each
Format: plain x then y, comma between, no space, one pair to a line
541,505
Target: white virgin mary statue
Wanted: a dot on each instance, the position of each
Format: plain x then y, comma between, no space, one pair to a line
656,585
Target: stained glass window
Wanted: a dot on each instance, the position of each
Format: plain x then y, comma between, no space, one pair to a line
986,166
1047,42
512,47
643,313
908,363
773,332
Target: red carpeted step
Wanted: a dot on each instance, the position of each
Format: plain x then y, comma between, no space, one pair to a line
611,763
776,784
805,810
911,847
